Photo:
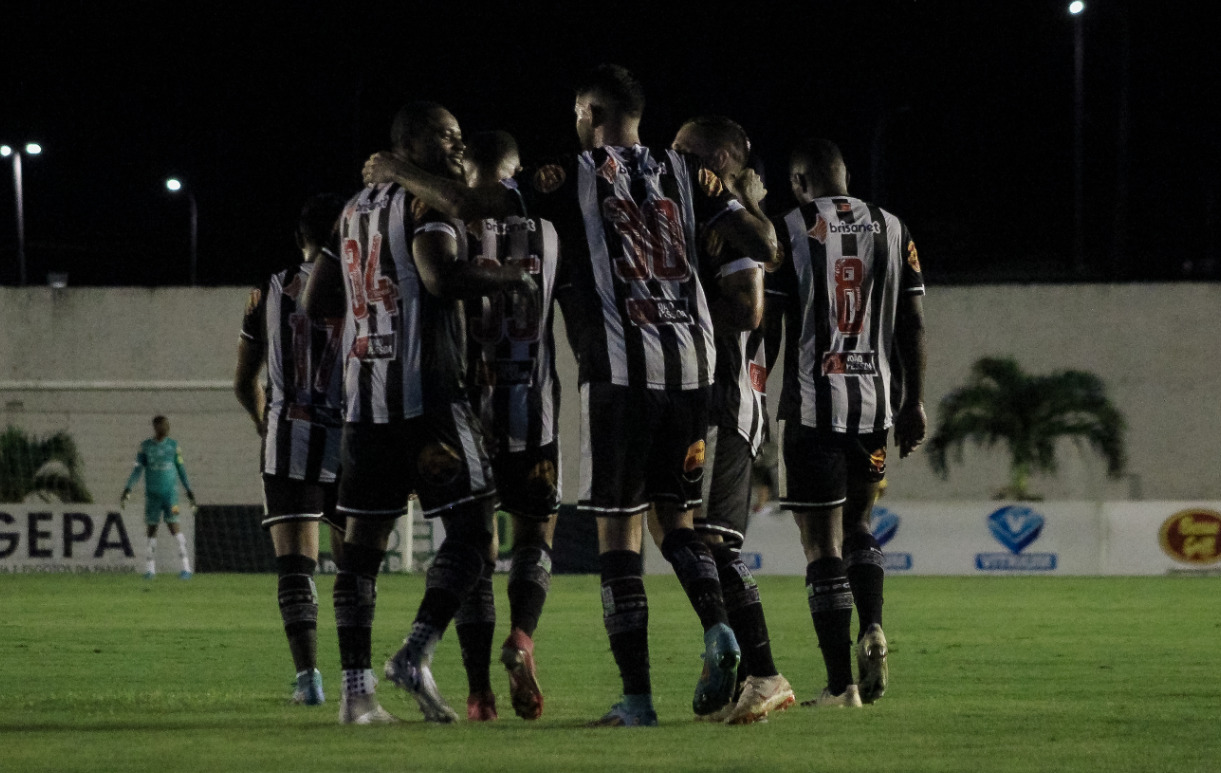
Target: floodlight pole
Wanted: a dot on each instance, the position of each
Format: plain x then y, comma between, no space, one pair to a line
1078,141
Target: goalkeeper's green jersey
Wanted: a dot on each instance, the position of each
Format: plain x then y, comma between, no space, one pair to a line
162,464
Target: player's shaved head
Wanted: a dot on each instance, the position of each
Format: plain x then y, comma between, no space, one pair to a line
614,88
161,426
412,121
486,150
316,225
816,168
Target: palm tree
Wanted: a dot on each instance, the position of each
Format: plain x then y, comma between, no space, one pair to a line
1029,413
40,469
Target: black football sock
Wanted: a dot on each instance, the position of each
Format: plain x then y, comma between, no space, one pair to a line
355,599
298,599
475,624
831,608
529,583
866,573
696,570
454,573
625,612
745,610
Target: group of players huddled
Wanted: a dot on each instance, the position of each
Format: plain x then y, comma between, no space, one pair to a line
411,354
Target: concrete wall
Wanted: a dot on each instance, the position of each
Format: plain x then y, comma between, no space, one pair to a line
95,361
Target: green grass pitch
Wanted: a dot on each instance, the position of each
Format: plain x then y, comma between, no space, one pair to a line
114,673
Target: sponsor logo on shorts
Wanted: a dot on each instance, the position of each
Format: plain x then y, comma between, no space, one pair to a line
877,460
439,464
849,364
695,458
884,526
1017,528
1192,536
540,482
658,311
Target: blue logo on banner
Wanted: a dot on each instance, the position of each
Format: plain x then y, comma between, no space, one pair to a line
884,526
753,561
1016,527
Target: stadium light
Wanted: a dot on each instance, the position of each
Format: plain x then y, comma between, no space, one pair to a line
7,151
1076,7
174,185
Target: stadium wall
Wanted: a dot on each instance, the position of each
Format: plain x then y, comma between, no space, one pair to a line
99,362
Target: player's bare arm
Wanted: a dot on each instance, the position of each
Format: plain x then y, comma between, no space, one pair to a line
445,276
739,306
323,296
747,187
752,235
246,384
911,424
448,196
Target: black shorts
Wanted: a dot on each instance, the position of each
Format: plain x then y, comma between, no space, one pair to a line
286,500
640,446
727,485
817,467
440,457
529,481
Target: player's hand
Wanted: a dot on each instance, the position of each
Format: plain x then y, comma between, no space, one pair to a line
380,168
910,427
123,499
191,499
746,185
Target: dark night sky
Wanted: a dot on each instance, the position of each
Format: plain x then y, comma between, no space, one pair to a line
257,109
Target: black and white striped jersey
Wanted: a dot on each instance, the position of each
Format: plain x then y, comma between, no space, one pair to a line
739,394
628,219
304,380
408,346
848,263
512,356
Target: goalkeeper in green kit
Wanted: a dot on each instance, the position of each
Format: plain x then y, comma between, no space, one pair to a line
161,462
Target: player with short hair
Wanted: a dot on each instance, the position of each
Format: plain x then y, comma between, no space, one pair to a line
516,392
736,430
854,349
160,461
632,293
409,427
299,418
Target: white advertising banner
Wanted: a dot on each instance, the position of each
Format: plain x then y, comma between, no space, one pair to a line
1027,538
85,538
1162,537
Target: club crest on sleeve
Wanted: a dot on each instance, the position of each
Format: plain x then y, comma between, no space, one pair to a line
710,182
548,178
609,169
252,302
818,231
913,259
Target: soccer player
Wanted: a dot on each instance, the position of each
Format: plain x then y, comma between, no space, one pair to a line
409,426
516,392
854,349
736,430
299,418
160,460
627,217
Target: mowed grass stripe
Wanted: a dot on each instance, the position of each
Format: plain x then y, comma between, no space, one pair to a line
110,672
